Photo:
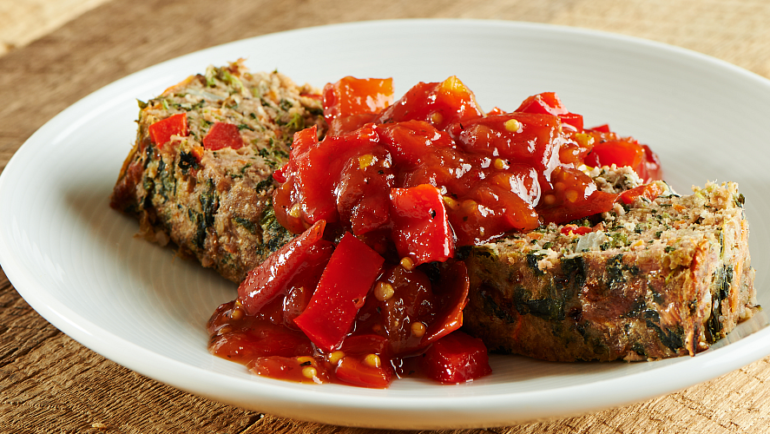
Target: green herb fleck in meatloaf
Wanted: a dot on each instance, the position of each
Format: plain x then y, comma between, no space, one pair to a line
216,205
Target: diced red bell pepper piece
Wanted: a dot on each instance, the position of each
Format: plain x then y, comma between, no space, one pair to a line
162,131
456,358
420,225
274,276
575,229
223,135
341,292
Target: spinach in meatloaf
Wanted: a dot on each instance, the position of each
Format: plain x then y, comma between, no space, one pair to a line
658,278
216,205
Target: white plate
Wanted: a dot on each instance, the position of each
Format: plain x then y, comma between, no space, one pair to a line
78,264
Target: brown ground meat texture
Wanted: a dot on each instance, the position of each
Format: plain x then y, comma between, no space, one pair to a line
217,208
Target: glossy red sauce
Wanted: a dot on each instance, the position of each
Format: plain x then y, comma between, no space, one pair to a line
369,290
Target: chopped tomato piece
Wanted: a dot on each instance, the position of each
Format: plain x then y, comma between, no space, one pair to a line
314,172
420,226
575,229
649,191
549,103
342,290
410,309
365,361
274,276
543,103
452,294
358,372
495,206
283,204
280,174
437,103
303,140
362,191
412,142
573,196
620,152
457,358
162,131
302,286
300,369
523,138
351,102
365,344
573,120
652,165
223,135
260,340
605,128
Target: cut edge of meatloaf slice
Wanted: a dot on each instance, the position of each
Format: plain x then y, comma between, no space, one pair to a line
215,205
654,279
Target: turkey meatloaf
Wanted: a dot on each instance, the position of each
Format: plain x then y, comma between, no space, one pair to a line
656,278
209,188
653,279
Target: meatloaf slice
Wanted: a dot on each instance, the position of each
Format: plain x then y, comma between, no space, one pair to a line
215,205
655,279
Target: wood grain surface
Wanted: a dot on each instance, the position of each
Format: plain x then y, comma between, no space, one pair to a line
23,21
50,383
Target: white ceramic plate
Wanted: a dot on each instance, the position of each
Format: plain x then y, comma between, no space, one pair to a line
77,262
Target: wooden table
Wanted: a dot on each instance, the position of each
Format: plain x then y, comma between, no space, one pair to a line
50,383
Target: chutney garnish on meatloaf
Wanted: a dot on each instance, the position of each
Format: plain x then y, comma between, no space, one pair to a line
215,205
654,279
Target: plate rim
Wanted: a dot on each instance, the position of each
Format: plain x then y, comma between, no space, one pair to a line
177,373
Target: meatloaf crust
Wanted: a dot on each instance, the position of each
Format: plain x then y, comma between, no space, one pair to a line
655,279
216,205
